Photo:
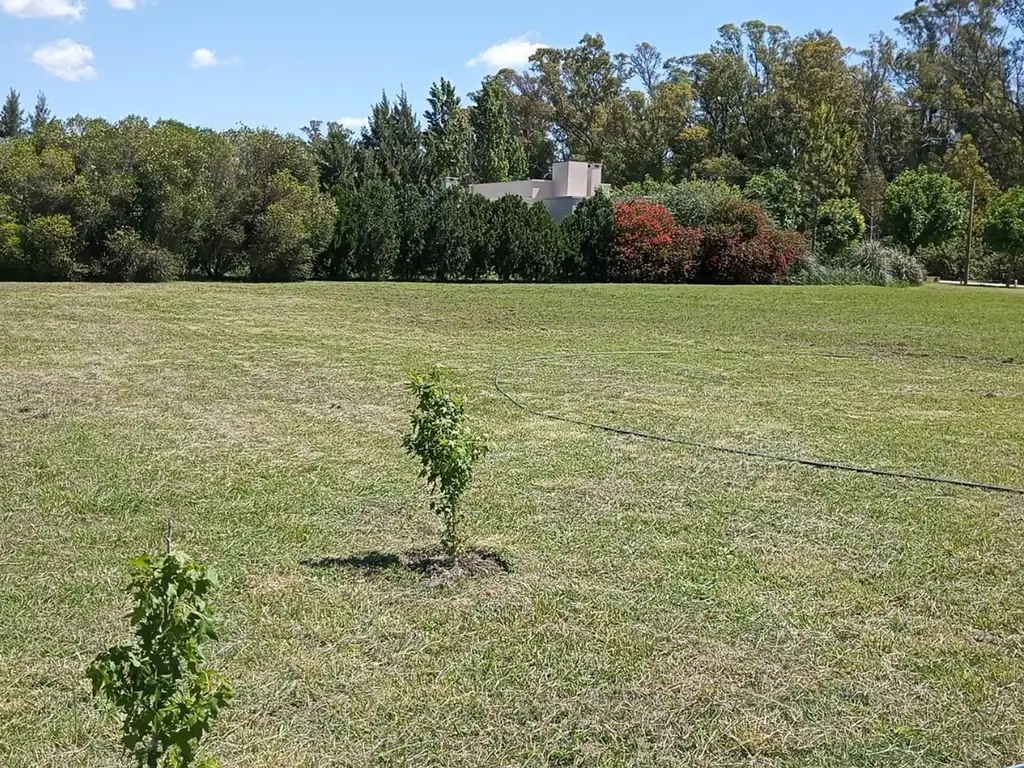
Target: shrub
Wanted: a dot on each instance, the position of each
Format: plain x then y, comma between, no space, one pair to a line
12,264
887,265
652,247
946,260
291,231
779,194
1004,232
481,242
50,246
127,257
412,225
511,233
839,225
161,684
814,272
525,241
590,236
374,232
740,246
996,266
449,236
923,208
447,448
692,203
790,250
541,260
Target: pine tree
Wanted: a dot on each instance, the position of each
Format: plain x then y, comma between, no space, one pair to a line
41,116
395,140
447,134
12,118
492,139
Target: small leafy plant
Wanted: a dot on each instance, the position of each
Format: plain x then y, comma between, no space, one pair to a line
168,696
446,446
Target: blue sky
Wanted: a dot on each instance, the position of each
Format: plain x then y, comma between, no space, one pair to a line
221,63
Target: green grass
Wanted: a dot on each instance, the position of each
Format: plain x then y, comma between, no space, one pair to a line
668,606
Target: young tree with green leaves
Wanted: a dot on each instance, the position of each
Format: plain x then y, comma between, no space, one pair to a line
168,696
447,447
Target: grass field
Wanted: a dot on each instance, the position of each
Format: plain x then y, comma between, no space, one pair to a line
667,607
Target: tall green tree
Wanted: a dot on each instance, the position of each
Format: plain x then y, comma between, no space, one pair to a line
529,117
12,117
579,84
394,139
336,154
447,134
963,65
819,88
640,129
1004,232
494,154
41,115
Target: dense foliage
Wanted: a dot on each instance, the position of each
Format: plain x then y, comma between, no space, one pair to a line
891,141
870,263
923,208
839,226
652,247
168,697
1004,232
740,246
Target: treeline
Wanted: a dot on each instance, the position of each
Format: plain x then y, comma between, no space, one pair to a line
902,141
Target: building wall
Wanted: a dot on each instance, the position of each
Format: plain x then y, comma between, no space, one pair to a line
570,180
561,207
531,189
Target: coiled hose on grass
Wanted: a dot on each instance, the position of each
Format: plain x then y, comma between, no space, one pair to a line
814,463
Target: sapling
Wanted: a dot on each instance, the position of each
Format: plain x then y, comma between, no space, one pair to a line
167,695
447,447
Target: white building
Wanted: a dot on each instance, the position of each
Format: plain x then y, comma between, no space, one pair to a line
570,183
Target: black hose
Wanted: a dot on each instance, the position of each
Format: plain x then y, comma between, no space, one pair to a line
733,451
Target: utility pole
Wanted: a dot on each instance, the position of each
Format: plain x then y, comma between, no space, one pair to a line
970,233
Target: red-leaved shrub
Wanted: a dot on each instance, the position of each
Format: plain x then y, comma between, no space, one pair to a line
652,247
741,246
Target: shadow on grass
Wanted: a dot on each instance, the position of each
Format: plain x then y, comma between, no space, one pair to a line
427,563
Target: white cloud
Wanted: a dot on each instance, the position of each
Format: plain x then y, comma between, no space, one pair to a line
43,9
353,123
124,5
203,57
66,59
514,53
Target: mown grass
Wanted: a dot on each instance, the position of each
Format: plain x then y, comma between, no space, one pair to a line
668,606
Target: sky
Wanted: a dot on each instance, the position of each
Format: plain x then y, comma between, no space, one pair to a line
224,63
